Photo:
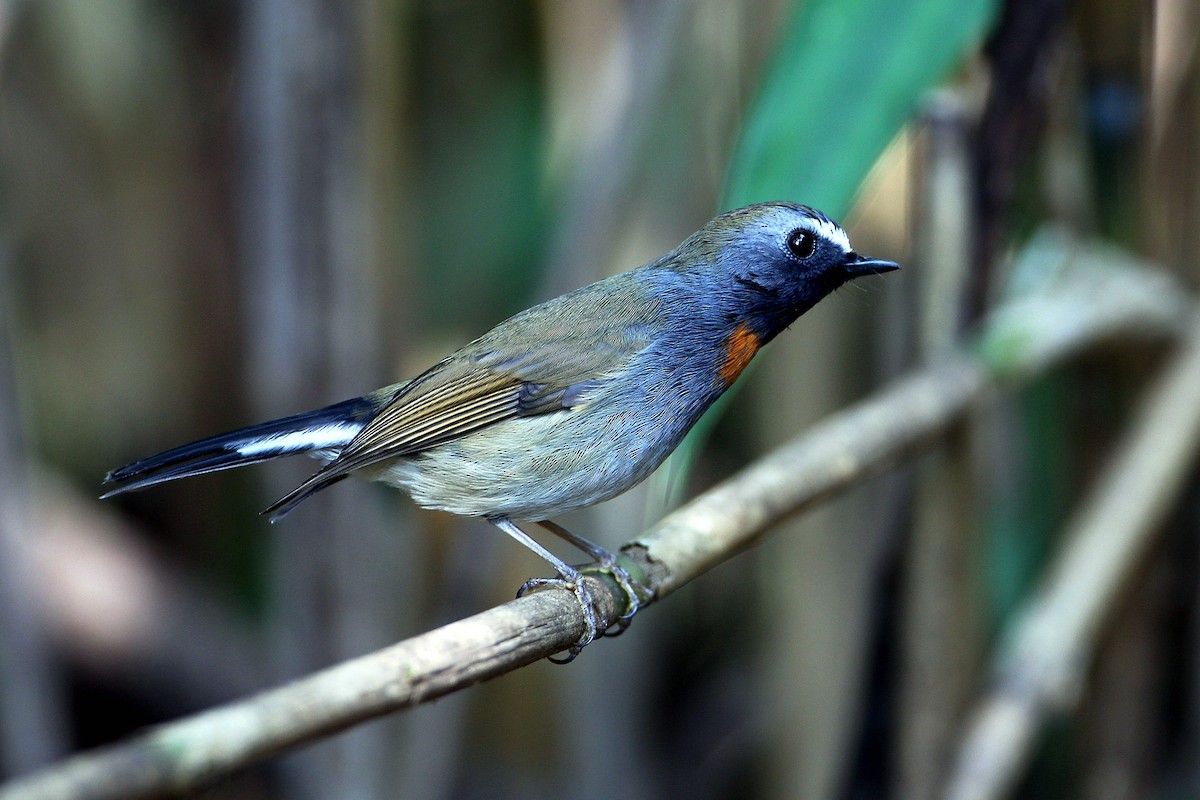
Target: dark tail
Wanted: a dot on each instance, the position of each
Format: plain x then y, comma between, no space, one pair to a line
328,428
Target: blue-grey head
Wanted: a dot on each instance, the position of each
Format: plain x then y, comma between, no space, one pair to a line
776,261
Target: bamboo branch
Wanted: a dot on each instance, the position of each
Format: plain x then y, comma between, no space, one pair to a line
832,456
189,753
194,751
1042,669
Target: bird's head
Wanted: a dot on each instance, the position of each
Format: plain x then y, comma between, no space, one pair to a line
777,260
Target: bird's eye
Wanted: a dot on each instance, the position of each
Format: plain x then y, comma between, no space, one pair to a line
802,243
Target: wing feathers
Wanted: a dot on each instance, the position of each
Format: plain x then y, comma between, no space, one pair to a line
411,424
524,367
404,433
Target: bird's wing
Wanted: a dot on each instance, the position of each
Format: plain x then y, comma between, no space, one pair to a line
544,360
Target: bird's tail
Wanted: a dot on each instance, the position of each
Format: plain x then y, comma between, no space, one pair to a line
329,428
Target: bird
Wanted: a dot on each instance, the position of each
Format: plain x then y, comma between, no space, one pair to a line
568,403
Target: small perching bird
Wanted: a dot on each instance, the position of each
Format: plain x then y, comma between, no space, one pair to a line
565,404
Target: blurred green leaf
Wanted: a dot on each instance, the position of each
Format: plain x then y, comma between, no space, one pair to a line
844,79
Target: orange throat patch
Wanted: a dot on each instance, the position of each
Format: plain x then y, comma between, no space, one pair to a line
742,345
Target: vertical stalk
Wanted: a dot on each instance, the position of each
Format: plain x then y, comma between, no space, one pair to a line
32,713
939,618
311,322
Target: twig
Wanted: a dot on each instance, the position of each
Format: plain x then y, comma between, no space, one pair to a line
194,751
830,457
1042,668
834,455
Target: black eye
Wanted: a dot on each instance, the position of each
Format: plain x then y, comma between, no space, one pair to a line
802,243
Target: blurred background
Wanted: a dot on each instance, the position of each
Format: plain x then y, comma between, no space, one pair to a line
217,213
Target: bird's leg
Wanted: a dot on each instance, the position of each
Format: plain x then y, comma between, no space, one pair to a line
634,591
569,578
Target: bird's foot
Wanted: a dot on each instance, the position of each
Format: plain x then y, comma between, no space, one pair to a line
636,594
575,584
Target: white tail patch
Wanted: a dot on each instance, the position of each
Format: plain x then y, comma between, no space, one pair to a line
319,438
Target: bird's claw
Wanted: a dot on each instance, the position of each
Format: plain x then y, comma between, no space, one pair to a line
635,593
570,578
583,595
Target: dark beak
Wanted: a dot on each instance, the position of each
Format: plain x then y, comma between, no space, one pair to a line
856,266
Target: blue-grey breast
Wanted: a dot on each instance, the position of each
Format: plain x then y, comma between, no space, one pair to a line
569,402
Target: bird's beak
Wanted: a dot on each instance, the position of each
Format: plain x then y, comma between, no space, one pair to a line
857,266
